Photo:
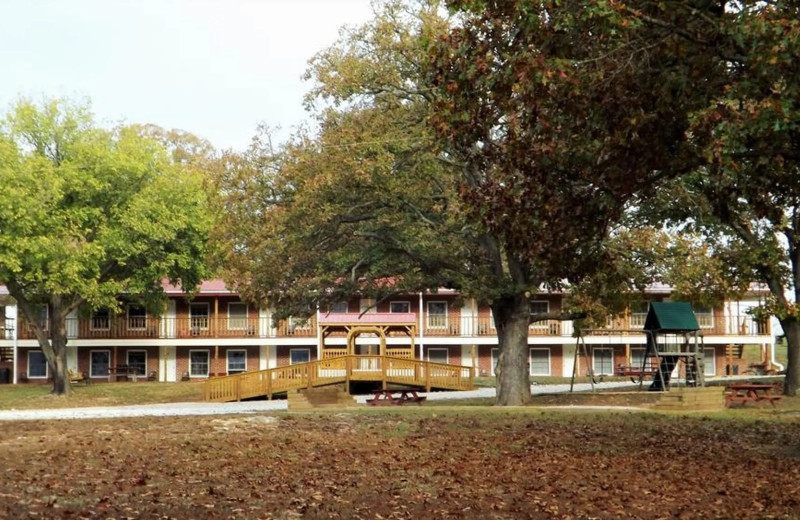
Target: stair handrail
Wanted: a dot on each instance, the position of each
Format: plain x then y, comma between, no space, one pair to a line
306,375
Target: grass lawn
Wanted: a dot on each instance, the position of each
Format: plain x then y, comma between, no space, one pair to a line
28,396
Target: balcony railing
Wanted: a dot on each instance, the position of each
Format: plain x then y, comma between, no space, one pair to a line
710,324
186,327
261,327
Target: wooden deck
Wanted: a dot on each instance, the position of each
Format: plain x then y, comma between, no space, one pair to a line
342,369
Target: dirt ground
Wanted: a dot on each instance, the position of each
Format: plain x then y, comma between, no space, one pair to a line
419,463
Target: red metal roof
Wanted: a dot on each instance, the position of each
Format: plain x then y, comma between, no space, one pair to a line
369,318
216,286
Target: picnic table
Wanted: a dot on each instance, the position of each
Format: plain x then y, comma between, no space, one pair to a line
395,397
122,372
756,392
635,372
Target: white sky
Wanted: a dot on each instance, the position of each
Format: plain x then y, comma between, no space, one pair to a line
216,68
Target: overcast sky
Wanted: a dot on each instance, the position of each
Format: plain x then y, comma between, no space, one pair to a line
216,68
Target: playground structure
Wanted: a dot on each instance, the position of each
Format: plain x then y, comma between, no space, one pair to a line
672,342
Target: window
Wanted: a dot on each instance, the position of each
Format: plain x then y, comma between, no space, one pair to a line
339,308
299,355
198,363
399,307
237,361
603,361
198,313
296,324
438,355
538,307
100,361
100,319
639,314
705,316
709,362
37,365
540,361
437,315
610,321
137,359
137,317
237,316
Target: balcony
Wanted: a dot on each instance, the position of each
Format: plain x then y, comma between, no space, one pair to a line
122,327
178,328
467,326
710,324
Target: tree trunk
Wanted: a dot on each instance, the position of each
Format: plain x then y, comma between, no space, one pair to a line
58,366
57,357
791,328
53,338
511,319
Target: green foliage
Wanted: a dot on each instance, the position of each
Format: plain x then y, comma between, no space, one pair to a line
367,206
88,214
92,213
564,125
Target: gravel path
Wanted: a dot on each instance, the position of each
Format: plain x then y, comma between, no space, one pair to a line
182,409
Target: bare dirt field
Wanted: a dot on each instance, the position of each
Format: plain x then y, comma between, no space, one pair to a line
417,463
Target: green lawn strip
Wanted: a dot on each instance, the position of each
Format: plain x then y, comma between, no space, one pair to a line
31,397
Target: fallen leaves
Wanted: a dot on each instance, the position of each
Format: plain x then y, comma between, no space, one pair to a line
398,466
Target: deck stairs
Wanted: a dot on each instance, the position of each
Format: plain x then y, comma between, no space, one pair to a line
340,370
707,398
333,396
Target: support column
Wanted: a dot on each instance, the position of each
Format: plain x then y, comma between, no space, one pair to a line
319,336
15,350
214,328
421,330
216,356
475,368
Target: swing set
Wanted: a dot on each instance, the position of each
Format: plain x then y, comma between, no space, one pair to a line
672,341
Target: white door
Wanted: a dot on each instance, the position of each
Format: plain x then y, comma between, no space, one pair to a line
72,326
168,325
168,364
72,358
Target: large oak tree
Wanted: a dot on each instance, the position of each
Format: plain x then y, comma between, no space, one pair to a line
704,92
378,204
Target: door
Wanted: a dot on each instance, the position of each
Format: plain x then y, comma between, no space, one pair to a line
168,325
168,366
72,326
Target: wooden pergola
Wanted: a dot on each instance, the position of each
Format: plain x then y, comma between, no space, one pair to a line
381,325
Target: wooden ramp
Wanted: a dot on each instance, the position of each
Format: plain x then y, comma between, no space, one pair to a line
342,369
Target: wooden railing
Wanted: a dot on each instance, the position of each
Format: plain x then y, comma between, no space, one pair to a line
383,369
121,327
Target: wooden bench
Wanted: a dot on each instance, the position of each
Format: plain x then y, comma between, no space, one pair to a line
77,377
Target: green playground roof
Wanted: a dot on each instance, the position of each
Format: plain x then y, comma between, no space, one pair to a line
671,317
